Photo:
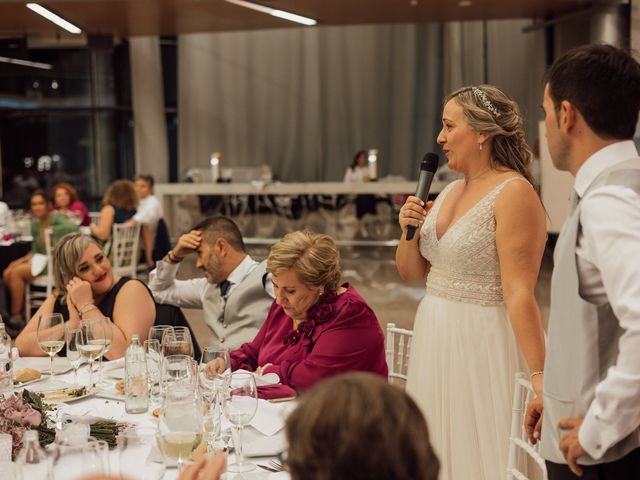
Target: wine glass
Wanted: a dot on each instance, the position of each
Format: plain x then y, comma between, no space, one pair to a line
211,387
51,335
240,405
153,355
179,425
177,342
79,459
133,447
91,342
73,353
157,331
107,325
178,370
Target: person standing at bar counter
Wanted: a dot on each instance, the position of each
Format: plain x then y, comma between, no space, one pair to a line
480,247
234,295
591,418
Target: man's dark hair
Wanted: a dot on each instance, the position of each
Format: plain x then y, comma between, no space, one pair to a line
213,228
146,178
603,83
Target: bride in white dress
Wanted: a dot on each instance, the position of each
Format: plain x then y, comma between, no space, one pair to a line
480,247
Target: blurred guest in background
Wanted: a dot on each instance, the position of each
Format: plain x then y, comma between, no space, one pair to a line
149,213
65,200
120,202
85,287
358,172
6,217
317,327
20,273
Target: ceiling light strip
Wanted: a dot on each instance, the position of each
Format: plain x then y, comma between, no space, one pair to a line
292,17
52,17
26,63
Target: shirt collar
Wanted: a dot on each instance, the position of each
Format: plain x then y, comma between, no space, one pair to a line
603,159
242,270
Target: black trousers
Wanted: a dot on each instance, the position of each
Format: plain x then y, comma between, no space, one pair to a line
625,468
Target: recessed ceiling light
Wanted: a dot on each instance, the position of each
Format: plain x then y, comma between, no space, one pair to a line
464,3
292,17
52,17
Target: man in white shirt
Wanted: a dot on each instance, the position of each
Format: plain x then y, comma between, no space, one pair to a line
148,213
234,294
590,424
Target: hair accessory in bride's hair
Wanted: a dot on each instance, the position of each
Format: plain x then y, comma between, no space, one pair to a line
480,95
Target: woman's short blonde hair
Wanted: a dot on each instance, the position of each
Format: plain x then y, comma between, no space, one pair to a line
121,194
66,255
313,256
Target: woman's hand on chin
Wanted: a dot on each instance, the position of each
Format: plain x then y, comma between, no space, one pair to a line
79,292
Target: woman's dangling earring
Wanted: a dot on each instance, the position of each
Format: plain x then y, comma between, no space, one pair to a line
480,145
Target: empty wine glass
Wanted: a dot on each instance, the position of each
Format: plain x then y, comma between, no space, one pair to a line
107,325
157,331
178,370
240,405
91,342
211,387
51,335
153,354
73,353
179,425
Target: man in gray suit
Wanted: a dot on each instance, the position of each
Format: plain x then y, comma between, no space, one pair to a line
234,294
591,417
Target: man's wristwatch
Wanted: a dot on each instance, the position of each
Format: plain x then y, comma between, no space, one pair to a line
171,257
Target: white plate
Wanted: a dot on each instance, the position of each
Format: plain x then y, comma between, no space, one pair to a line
50,387
42,364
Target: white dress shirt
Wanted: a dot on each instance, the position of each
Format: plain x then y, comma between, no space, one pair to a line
608,259
6,218
149,212
190,293
356,174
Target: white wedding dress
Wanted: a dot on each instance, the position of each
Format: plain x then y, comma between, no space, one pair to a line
464,355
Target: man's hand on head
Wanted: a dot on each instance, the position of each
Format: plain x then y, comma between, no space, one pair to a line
188,243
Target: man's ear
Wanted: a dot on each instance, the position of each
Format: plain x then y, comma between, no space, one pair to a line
221,246
568,116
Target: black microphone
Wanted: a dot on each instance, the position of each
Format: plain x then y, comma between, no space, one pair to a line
428,168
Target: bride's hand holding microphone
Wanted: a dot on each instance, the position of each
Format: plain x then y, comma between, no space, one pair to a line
412,215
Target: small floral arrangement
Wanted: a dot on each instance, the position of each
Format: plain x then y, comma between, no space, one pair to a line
321,312
26,411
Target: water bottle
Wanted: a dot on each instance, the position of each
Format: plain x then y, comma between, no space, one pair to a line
136,385
6,362
32,460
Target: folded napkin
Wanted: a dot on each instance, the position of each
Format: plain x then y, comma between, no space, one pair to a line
268,420
271,378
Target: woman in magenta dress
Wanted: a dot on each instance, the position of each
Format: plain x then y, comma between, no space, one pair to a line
317,327
65,200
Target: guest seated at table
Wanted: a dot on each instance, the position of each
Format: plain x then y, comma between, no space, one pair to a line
20,273
148,214
6,218
85,287
316,328
119,205
354,426
65,200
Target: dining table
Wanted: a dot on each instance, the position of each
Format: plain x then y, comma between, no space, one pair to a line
263,437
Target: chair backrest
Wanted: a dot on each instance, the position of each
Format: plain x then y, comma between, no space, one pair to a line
95,217
524,458
398,348
124,248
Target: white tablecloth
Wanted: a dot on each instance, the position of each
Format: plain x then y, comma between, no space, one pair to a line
268,419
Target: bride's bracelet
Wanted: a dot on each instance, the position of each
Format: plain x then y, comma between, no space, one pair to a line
87,307
539,372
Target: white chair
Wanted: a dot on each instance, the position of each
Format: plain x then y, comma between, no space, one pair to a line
41,286
125,240
95,217
521,452
398,357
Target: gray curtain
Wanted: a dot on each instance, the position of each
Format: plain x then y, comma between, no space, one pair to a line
305,100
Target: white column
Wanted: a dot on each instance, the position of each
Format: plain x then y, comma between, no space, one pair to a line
150,132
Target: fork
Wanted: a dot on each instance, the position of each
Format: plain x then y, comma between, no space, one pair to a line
273,466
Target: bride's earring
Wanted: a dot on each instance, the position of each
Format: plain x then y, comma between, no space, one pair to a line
480,143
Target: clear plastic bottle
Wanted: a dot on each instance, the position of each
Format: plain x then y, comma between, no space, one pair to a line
6,362
32,460
136,385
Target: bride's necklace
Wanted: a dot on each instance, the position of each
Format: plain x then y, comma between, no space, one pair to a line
476,176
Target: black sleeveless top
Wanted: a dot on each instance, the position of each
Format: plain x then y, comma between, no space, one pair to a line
106,305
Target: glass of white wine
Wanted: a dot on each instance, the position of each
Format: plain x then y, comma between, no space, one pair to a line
91,342
180,426
107,325
73,354
240,405
51,335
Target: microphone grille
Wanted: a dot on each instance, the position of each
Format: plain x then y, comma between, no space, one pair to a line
430,162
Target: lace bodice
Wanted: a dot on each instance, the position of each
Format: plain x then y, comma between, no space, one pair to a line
464,262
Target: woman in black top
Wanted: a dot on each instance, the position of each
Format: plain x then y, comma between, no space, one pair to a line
85,287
